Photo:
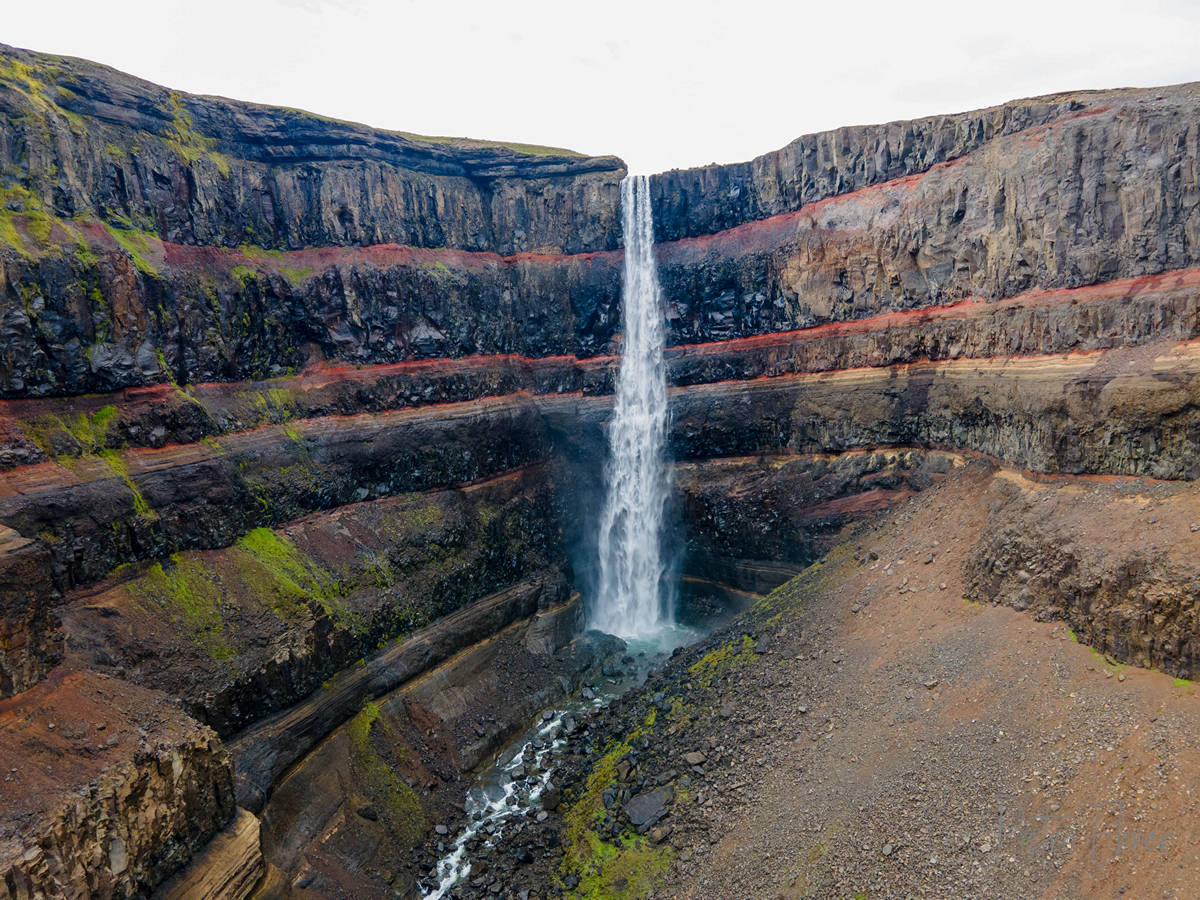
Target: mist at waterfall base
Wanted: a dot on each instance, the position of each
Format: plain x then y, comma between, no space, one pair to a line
634,596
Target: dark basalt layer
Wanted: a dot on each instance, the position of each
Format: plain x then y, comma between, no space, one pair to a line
86,317
700,201
30,634
745,515
1093,196
1125,412
102,510
242,632
1057,192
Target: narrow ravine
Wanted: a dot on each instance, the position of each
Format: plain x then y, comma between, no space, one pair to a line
518,786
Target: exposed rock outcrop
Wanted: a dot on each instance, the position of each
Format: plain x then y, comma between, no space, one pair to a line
242,632
30,634
1129,588
352,812
1057,192
230,867
108,789
101,510
745,516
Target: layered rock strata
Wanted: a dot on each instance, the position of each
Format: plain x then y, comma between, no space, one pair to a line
230,867
283,394
1129,589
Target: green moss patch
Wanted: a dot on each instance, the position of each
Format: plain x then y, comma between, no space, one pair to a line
296,275
624,868
285,580
137,244
91,432
191,597
727,656
25,226
187,143
117,463
399,807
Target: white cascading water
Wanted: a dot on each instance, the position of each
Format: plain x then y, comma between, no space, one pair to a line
631,601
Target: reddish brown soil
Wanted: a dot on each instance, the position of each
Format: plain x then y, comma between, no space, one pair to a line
897,741
73,727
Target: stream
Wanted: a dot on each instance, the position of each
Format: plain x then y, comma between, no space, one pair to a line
513,785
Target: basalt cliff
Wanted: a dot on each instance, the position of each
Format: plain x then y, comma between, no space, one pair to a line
302,422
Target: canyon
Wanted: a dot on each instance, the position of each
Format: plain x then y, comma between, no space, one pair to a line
302,428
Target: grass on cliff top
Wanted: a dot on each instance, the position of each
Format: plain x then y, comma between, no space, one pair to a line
34,83
625,868
464,143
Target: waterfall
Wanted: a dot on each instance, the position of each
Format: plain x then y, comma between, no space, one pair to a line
632,599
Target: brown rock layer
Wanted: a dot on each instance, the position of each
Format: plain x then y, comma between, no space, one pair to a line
1129,588
230,867
108,788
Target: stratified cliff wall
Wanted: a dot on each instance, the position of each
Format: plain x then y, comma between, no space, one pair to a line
1057,193
293,411
150,236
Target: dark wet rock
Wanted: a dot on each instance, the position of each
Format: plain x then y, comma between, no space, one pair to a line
645,809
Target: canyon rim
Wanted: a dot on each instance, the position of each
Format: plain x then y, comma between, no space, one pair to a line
308,439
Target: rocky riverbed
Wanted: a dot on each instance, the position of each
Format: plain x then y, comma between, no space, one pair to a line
867,731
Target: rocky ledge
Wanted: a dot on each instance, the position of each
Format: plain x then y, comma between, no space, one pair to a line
108,788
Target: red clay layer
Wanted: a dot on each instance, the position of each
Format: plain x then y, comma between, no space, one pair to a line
1038,298
324,374
36,477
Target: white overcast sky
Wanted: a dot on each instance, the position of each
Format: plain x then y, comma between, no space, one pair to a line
662,85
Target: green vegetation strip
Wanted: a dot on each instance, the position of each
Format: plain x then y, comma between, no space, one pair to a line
624,868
